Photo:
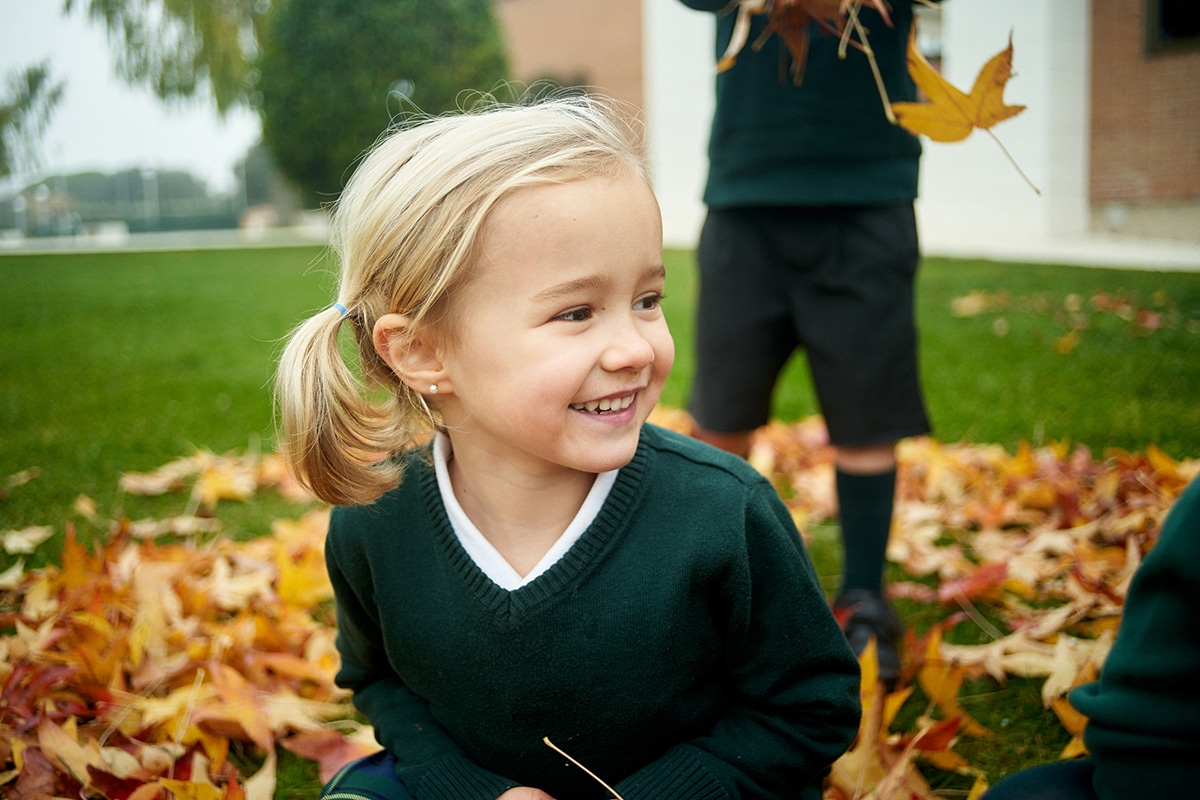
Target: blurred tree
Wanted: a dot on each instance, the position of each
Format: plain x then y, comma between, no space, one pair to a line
177,46
326,76
25,108
335,72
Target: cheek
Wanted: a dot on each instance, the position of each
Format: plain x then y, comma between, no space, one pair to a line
664,354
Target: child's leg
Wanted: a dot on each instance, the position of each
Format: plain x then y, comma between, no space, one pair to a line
370,778
1058,780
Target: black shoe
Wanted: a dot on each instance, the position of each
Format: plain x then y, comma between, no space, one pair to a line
864,614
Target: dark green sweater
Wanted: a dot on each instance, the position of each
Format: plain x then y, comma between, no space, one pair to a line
1144,713
825,142
682,648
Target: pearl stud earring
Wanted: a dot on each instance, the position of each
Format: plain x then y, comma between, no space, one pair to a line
433,388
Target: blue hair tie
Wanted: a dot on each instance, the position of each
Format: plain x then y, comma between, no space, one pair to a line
340,308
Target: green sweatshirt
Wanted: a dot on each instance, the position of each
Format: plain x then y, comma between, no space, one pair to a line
826,142
1144,713
682,648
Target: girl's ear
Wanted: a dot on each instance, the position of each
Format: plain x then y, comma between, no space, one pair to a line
410,353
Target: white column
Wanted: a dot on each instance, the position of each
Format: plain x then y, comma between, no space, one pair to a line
970,189
679,70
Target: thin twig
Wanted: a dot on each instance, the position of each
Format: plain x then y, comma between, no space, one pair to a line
973,612
1013,161
595,777
866,47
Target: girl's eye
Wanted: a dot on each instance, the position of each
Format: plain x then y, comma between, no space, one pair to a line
581,314
648,302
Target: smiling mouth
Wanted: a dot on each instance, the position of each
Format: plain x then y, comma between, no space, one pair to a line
605,406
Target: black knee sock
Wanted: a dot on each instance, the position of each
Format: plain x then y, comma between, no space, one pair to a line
865,503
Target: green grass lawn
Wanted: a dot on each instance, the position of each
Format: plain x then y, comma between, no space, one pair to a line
125,361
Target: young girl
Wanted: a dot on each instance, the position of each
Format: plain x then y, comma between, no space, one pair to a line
547,566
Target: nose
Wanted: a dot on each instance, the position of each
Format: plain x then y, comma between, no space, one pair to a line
630,346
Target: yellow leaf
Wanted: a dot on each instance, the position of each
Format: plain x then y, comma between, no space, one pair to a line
238,711
65,751
946,760
303,580
224,480
978,788
190,790
1075,748
950,115
1072,721
1163,464
941,681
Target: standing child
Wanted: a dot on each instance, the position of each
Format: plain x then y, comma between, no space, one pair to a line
547,566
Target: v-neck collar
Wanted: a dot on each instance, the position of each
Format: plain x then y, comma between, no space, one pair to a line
483,553
511,606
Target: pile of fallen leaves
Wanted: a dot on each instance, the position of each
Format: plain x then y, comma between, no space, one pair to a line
130,669
141,667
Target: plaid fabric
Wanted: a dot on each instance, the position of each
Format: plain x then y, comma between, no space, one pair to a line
370,778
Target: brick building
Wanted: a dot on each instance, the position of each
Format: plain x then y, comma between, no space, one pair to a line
1144,165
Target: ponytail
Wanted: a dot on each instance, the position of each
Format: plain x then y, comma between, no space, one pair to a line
337,442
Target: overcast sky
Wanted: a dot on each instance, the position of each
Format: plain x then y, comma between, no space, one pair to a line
103,124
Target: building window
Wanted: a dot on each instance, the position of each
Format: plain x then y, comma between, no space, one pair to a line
1172,25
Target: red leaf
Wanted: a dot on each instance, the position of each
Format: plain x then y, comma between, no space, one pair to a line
984,580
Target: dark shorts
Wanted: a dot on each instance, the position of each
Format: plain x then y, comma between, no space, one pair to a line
370,778
836,282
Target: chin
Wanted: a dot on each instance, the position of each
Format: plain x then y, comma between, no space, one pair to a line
612,457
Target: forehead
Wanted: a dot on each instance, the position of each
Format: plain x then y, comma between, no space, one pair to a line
564,207
552,232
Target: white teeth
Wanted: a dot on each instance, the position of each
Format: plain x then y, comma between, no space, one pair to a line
599,406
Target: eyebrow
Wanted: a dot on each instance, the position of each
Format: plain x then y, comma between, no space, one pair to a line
590,282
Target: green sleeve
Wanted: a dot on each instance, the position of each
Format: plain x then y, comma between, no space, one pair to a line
794,683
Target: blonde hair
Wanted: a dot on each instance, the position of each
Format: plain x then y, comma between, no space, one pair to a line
406,230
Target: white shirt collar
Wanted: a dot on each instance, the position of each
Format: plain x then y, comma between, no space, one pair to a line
481,551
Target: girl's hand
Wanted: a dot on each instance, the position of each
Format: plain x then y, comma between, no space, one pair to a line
524,793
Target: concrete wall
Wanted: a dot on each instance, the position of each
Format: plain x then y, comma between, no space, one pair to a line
679,74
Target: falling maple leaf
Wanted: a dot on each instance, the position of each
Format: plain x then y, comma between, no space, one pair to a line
950,115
